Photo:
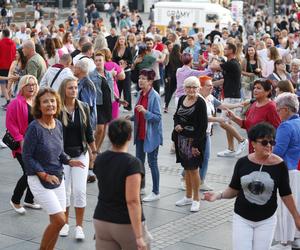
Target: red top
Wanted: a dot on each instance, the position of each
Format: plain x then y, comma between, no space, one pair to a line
159,47
255,115
8,52
140,116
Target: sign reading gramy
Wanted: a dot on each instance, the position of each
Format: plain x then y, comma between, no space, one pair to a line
178,14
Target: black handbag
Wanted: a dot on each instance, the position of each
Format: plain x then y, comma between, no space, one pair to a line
48,185
10,141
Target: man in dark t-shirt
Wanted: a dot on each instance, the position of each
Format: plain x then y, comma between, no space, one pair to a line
231,70
112,39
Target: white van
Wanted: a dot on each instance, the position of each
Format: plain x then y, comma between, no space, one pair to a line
206,15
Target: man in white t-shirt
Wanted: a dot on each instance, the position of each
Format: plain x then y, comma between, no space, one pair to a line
21,34
55,74
87,52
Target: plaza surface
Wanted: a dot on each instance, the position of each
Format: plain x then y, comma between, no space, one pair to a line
173,228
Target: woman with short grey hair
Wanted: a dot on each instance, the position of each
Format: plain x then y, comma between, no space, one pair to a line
288,148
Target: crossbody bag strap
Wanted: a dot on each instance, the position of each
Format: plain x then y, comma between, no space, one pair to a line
55,77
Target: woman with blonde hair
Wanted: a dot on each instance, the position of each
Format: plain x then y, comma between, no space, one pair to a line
18,117
121,55
78,136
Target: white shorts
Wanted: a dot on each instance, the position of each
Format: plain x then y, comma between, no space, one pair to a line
52,200
236,111
75,181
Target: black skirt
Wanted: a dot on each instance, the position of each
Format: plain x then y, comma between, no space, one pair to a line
104,114
187,160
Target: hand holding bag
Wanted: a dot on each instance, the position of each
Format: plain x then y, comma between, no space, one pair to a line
10,141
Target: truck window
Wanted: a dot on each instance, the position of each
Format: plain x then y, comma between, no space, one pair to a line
212,18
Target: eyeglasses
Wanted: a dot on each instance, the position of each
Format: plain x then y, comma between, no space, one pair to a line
191,87
266,142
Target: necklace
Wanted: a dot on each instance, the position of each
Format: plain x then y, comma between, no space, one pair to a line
48,127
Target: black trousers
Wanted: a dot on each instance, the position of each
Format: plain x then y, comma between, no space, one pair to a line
170,87
124,87
21,186
156,85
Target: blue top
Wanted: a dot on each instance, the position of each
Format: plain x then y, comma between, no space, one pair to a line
87,94
288,142
154,136
43,149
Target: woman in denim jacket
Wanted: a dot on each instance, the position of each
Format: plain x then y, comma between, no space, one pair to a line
148,128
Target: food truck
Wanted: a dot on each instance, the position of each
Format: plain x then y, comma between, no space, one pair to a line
206,15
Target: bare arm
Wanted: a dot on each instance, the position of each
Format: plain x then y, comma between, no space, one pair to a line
218,82
121,75
133,185
236,119
228,193
289,202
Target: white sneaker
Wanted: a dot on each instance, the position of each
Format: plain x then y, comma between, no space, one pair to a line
241,147
143,191
182,184
281,247
20,210
184,201
226,153
296,244
64,232
195,206
2,144
205,187
79,234
152,197
32,205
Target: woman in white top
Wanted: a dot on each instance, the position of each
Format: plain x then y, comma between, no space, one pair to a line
211,104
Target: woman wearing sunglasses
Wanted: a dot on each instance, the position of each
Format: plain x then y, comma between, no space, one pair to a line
255,181
262,110
288,148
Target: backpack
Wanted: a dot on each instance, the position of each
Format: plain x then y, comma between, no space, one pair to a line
3,12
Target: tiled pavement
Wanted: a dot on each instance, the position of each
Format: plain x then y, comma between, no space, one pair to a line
172,227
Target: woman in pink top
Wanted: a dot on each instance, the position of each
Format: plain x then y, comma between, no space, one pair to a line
118,74
18,116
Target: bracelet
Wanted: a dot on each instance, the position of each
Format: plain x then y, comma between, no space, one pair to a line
139,237
95,152
221,196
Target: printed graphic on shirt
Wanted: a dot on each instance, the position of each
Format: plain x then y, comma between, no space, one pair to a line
184,113
258,187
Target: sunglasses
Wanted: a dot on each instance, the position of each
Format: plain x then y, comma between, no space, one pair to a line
266,142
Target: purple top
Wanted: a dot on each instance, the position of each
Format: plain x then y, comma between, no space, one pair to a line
184,72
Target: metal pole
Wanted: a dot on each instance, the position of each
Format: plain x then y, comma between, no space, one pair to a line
81,11
272,14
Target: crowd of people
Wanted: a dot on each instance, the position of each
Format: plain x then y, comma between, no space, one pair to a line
65,84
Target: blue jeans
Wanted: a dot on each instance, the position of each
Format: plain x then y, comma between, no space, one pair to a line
203,169
152,161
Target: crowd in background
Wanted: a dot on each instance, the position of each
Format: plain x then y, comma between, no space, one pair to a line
66,82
